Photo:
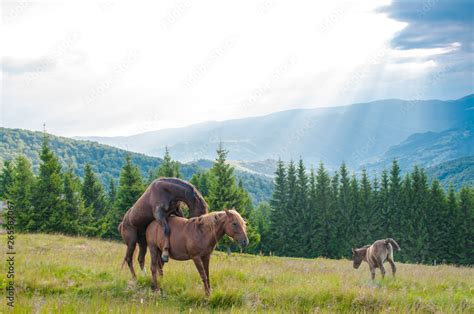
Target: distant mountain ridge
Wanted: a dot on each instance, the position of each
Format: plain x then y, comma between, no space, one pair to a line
107,161
357,134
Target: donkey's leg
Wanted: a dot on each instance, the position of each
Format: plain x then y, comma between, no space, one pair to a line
205,261
382,268
155,260
372,272
160,215
392,264
200,267
142,251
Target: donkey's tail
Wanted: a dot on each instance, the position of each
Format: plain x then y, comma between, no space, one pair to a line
393,243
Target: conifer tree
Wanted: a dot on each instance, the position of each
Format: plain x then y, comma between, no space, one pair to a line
466,230
394,206
74,204
93,193
324,229
301,215
438,228
49,206
169,167
290,227
367,209
21,191
344,222
131,187
6,179
278,207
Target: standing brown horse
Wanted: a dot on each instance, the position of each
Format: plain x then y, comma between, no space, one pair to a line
375,255
195,239
158,202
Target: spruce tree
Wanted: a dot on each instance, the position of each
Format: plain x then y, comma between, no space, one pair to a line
74,204
48,202
344,222
222,189
301,214
437,223
6,179
367,209
93,193
466,230
169,167
21,192
130,189
394,206
324,228
278,207
290,226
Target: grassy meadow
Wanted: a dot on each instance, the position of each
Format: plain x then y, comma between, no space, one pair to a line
59,274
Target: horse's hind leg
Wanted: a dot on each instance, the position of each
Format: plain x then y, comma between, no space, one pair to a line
392,264
130,238
142,251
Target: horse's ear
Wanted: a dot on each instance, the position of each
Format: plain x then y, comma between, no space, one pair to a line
227,211
353,251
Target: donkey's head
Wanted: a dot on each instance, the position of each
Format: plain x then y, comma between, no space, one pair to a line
357,257
235,227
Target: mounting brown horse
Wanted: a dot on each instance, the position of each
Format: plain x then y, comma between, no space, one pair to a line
375,255
161,199
194,239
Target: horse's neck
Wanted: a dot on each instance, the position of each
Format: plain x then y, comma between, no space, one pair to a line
216,233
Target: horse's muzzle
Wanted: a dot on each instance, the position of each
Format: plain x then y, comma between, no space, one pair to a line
244,242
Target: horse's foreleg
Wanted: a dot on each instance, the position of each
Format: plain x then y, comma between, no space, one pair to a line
205,261
382,268
155,260
160,215
372,272
200,267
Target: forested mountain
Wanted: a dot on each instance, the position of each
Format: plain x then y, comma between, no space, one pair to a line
107,161
457,172
357,134
431,148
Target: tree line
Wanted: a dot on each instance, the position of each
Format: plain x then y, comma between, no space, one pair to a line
317,214
57,200
311,213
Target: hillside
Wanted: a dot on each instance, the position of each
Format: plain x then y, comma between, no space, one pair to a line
431,148
457,172
55,273
107,161
357,134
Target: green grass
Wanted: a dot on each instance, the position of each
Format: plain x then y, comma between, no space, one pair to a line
59,274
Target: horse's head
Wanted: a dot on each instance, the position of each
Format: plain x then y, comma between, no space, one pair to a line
357,257
235,227
198,205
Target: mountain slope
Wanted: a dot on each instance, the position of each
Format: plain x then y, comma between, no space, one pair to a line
457,172
356,134
431,148
107,161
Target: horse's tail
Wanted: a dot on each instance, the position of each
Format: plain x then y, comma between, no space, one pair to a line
393,243
119,228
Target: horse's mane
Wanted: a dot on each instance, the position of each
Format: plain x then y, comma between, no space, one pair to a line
209,220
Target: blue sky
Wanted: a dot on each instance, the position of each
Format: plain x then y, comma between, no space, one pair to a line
118,68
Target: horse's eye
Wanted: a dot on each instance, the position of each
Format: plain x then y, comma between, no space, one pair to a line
234,224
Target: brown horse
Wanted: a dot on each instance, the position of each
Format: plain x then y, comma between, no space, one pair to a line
375,255
158,202
194,239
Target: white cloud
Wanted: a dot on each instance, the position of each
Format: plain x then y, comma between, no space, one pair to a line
91,90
